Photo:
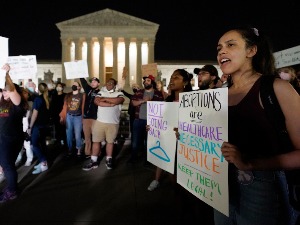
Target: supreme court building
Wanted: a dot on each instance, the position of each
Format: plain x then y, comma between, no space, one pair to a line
109,41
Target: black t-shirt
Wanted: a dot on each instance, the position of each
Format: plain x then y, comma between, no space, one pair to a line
11,118
90,108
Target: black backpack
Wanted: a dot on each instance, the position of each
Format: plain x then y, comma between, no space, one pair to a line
275,114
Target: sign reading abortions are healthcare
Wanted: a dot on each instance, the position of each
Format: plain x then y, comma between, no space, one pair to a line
203,127
162,118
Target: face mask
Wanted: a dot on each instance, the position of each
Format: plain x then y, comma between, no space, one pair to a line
31,89
59,88
74,87
50,86
285,76
134,90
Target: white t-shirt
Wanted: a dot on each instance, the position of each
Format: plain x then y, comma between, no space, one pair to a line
109,114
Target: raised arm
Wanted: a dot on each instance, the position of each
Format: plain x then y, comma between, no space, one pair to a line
14,96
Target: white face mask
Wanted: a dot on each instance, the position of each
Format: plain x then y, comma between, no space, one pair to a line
59,88
50,86
285,76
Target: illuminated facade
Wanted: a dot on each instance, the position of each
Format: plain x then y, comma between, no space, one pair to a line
109,41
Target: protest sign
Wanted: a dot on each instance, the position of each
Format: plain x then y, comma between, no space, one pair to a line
22,67
287,57
203,127
162,118
3,59
76,69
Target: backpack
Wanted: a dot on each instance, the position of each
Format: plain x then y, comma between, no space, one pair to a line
276,116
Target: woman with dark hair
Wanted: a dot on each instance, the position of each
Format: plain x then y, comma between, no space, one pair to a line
38,126
257,184
180,81
57,103
12,109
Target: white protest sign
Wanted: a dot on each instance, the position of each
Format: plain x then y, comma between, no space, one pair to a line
22,67
287,57
203,127
162,117
76,69
3,59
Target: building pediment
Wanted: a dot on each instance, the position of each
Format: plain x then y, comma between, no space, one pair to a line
106,18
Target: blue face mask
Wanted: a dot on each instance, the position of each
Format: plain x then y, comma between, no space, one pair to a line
31,89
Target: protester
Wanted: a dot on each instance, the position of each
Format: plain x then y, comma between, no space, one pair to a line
208,77
160,87
38,127
257,184
106,127
12,110
180,81
139,101
57,103
131,108
223,81
26,145
71,115
288,73
89,112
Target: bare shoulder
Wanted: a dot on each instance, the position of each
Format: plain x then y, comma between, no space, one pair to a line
288,98
284,89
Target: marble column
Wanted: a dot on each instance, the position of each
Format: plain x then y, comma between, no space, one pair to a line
151,43
127,80
66,56
139,62
115,58
78,49
101,60
90,58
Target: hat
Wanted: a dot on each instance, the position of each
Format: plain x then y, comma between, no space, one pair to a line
211,69
96,79
151,77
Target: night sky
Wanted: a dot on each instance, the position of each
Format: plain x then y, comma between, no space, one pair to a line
187,31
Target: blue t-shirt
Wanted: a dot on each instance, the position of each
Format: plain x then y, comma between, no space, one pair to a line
43,117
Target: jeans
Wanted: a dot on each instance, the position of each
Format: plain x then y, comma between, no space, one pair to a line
38,142
264,201
9,150
74,124
139,138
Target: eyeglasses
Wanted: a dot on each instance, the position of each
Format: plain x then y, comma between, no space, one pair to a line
110,83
